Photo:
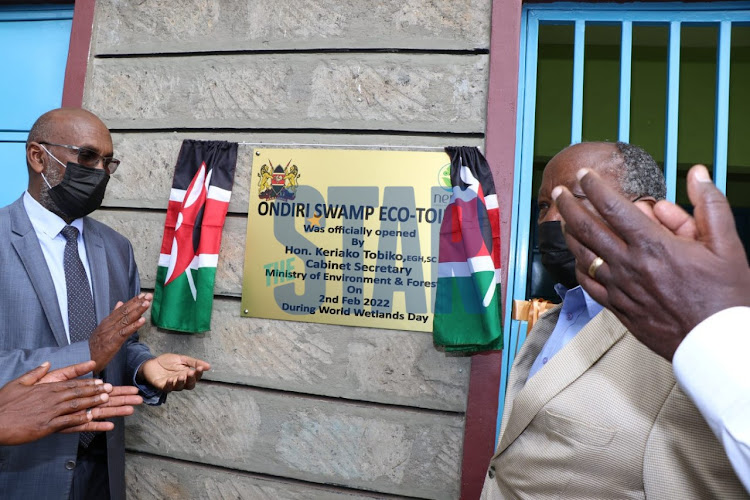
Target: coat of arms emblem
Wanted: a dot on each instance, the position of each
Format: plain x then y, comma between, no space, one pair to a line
278,182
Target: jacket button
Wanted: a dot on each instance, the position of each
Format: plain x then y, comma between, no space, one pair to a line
70,464
491,472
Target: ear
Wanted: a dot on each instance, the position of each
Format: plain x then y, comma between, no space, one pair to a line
36,157
646,205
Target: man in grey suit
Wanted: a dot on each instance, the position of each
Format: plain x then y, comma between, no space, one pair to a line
590,411
70,292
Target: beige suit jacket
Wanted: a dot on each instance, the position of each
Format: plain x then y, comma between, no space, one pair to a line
603,419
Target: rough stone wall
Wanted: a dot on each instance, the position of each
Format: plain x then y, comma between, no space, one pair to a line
289,410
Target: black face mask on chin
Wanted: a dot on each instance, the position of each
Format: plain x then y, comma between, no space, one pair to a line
81,190
557,259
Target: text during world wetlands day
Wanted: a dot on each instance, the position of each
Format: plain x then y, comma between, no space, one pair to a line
345,237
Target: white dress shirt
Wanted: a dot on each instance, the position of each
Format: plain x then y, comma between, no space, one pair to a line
47,227
711,366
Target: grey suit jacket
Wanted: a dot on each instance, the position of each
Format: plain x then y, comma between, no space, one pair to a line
32,331
604,418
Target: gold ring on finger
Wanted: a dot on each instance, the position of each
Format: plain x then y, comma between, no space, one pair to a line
594,267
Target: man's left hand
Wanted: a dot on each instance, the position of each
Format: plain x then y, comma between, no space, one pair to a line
121,401
172,372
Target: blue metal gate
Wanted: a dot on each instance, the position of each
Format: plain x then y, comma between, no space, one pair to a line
672,17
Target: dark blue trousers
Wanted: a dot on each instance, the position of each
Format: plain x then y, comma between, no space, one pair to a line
90,478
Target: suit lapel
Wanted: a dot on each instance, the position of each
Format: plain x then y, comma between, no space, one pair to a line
26,245
99,271
590,344
526,357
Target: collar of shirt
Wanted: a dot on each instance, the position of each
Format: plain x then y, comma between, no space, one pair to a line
45,222
578,293
577,310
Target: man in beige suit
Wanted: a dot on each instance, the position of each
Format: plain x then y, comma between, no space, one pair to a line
590,411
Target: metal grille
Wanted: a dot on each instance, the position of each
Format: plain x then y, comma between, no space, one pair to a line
673,19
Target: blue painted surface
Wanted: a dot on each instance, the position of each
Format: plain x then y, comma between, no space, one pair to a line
12,155
519,246
525,175
35,12
671,14
721,139
509,323
35,72
673,106
644,13
522,175
579,44
626,78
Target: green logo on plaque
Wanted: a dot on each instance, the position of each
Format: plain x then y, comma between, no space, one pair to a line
444,177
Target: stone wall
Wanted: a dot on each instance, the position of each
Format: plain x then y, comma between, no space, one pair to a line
289,410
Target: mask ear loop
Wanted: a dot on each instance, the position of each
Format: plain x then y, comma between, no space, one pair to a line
46,182
54,158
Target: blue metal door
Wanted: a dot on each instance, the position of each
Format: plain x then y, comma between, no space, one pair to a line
33,55
648,57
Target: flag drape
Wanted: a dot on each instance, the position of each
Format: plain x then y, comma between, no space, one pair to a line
198,203
467,306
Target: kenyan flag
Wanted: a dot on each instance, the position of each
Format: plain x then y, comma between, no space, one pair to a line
198,203
467,303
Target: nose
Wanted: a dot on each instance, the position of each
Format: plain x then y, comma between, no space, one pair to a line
552,214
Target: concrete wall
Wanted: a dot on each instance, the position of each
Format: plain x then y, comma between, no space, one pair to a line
289,410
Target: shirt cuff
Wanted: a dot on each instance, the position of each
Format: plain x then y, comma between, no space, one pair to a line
151,395
710,364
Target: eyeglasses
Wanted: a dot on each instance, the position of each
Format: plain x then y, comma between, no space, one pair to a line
90,158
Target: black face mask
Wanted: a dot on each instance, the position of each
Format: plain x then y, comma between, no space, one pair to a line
81,190
557,259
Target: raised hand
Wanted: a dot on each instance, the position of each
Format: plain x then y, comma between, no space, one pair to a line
172,372
30,410
121,401
116,328
660,280
69,372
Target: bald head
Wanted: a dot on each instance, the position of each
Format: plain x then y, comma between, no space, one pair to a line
52,125
627,168
633,171
599,156
71,126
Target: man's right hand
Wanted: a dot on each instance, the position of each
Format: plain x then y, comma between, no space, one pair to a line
116,328
31,408
120,402
659,280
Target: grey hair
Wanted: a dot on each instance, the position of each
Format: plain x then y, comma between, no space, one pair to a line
639,174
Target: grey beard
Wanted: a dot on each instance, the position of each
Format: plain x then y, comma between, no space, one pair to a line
46,200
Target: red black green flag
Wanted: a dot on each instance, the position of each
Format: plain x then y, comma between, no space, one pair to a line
198,203
467,304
